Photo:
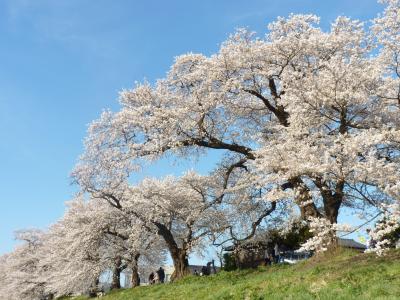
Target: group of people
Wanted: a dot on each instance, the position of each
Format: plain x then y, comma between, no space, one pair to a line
273,257
157,277
206,270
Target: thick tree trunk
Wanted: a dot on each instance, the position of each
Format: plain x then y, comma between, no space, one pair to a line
135,280
332,198
333,201
181,264
303,199
116,274
331,207
179,255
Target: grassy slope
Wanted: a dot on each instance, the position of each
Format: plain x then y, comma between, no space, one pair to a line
339,275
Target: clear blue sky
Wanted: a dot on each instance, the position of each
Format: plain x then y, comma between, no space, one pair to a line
63,61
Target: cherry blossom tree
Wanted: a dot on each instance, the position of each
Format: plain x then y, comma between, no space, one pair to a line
310,115
77,252
343,138
91,239
385,235
21,274
183,211
3,276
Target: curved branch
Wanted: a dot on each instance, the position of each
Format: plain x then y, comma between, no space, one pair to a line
255,224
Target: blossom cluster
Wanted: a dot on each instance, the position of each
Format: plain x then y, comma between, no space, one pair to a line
324,234
380,241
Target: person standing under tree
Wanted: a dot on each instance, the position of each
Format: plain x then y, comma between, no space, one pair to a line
161,275
151,278
156,278
276,253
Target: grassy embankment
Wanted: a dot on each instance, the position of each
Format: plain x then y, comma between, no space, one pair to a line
340,274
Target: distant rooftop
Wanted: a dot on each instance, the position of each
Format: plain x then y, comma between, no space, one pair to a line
350,243
347,243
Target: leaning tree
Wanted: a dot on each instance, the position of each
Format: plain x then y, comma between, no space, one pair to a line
309,115
182,211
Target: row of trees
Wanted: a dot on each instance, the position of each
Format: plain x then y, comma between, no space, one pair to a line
306,122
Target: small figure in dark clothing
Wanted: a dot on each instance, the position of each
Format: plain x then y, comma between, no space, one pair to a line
196,273
205,271
161,274
151,278
271,258
267,261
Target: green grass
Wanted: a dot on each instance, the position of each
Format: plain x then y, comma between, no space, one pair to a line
340,274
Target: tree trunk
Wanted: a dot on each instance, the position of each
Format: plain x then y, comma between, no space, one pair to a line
304,199
181,264
94,288
135,279
116,274
333,201
331,207
179,255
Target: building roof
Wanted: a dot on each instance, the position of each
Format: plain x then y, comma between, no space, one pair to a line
350,243
347,243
